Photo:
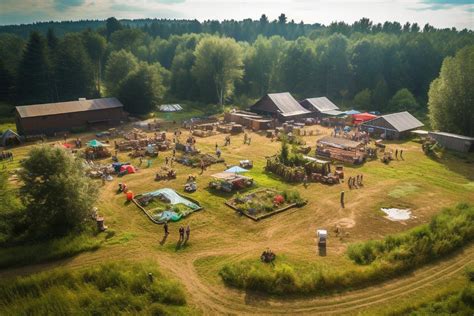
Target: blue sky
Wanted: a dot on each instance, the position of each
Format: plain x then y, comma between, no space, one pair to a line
440,13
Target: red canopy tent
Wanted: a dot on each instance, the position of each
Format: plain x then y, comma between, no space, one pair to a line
362,117
128,168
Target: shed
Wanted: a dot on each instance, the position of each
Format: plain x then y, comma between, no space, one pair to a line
321,106
392,126
66,116
453,141
9,138
280,105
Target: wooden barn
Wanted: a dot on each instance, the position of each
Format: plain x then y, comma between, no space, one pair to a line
392,126
453,141
321,107
50,118
281,106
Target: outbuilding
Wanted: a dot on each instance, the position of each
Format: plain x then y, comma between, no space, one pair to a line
281,106
50,118
453,141
392,126
321,107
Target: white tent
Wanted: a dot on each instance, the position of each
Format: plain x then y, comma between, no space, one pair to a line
170,108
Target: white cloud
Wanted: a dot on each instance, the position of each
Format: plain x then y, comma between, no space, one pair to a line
310,11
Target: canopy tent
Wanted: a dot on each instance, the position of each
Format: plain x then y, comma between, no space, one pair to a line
170,108
236,169
9,137
128,168
95,143
362,117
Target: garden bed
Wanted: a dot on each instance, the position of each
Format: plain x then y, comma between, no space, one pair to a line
166,205
265,203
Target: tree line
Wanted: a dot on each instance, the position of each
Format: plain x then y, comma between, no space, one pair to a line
384,67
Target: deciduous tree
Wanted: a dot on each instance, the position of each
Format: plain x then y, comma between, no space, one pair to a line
451,95
56,193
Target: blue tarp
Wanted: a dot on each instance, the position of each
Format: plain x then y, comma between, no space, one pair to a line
236,169
351,112
174,197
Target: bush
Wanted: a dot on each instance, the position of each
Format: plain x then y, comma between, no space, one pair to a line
104,290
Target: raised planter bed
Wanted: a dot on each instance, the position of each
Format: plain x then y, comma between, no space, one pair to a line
264,203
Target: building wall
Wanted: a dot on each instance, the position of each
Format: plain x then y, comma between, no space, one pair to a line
453,143
381,126
65,122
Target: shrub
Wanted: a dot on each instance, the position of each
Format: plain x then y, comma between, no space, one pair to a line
109,289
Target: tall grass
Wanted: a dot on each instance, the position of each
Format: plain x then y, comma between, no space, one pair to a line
109,289
378,260
48,250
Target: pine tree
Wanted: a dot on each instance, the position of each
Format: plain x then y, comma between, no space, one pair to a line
34,73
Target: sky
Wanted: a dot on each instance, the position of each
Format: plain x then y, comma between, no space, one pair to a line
439,13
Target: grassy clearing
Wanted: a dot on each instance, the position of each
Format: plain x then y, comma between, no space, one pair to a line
109,289
447,231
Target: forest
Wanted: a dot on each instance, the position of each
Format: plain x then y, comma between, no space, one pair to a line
378,67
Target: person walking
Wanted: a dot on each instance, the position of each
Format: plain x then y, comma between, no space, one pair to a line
342,199
188,232
165,228
181,234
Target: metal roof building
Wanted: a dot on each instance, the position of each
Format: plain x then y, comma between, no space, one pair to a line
280,105
392,126
66,116
321,106
453,141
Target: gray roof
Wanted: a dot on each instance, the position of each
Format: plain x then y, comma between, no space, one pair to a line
334,112
453,135
401,121
67,107
322,104
287,105
339,142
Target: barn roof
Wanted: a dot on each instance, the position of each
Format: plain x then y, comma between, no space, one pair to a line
451,135
401,121
339,142
67,107
322,104
287,105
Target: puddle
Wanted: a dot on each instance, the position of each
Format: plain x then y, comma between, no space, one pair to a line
397,214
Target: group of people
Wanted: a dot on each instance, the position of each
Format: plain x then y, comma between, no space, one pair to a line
355,182
184,233
6,155
399,152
